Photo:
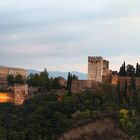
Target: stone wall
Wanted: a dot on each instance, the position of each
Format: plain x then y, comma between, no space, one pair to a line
123,79
20,94
81,85
114,79
128,79
106,79
17,97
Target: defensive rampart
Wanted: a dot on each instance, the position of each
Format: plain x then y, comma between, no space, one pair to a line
17,97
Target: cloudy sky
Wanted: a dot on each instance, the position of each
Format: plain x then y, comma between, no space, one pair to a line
61,34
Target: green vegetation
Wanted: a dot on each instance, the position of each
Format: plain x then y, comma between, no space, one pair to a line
43,80
15,80
43,117
40,80
69,81
129,70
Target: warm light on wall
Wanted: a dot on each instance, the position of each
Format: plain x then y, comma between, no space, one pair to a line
6,97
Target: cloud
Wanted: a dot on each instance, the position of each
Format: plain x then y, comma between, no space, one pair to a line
60,34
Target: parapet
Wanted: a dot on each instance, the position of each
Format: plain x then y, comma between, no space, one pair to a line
94,58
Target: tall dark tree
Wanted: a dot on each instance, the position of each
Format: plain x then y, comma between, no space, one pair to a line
19,79
133,83
44,79
36,80
137,70
69,80
130,70
11,80
122,71
133,91
74,77
56,84
119,92
125,90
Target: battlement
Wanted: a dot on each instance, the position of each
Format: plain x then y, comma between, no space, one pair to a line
97,68
94,58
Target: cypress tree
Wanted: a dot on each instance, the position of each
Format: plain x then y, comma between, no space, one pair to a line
133,91
121,71
124,70
119,91
125,90
133,83
137,70
68,81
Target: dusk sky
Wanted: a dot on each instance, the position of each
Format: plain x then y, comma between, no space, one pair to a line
60,34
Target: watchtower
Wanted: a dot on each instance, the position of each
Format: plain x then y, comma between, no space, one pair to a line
97,67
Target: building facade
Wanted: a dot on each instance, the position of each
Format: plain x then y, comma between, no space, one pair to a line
5,71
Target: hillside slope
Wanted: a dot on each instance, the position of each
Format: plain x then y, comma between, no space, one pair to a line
103,129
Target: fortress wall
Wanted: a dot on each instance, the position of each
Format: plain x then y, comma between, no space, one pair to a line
18,97
114,79
128,79
20,94
81,85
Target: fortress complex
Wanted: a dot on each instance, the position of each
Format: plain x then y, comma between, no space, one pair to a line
98,72
5,71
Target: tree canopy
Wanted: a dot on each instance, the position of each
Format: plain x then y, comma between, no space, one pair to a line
15,80
129,70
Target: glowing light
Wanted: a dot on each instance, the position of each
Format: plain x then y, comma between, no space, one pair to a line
6,97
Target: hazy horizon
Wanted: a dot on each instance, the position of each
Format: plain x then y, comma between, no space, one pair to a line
60,35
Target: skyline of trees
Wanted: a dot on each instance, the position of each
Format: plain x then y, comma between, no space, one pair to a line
129,70
15,80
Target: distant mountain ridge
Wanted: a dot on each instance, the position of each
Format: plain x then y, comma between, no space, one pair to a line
81,76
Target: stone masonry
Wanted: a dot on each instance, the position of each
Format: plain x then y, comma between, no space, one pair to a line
97,68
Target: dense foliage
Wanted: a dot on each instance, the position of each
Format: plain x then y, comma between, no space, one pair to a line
43,80
69,81
18,79
129,70
44,117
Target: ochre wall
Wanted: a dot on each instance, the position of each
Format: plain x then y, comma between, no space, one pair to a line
18,97
6,97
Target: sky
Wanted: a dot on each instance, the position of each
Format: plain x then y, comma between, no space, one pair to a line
60,34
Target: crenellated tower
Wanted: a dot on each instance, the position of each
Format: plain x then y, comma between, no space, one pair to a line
97,68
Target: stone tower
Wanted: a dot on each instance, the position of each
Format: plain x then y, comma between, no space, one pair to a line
97,68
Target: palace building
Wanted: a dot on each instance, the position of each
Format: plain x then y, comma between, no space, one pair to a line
5,71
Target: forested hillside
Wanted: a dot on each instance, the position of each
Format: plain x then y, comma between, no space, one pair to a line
44,117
